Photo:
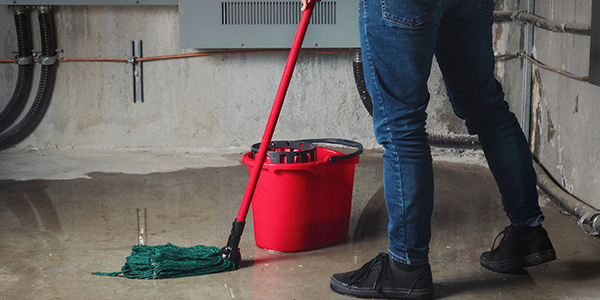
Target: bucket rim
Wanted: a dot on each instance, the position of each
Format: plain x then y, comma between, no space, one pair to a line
313,166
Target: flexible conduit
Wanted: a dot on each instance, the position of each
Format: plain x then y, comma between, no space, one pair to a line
42,99
185,55
19,98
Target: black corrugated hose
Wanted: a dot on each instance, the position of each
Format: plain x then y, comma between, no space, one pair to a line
42,99
359,79
19,98
453,141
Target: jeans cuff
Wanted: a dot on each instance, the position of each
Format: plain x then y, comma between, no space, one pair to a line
408,261
533,222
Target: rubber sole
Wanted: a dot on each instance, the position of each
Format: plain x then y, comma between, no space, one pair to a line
386,293
512,265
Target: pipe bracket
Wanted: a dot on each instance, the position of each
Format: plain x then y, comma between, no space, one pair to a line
516,16
47,60
137,91
43,9
37,55
19,9
23,60
591,220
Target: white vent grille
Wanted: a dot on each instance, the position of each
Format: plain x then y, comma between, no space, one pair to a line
274,13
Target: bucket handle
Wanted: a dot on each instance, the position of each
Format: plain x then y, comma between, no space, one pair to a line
343,142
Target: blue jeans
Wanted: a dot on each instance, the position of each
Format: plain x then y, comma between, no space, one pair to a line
399,39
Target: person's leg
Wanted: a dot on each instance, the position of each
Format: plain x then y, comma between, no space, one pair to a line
465,56
398,43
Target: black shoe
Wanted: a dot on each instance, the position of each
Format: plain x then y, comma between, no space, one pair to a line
385,278
519,248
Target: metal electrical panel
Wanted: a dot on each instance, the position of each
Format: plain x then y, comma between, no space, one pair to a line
595,45
222,24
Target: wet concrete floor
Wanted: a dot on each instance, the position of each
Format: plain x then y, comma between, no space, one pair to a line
55,233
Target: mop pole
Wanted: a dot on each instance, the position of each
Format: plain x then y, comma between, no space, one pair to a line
231,251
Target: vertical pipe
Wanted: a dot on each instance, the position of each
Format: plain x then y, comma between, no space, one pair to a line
136,72
526,89
595,45
141,225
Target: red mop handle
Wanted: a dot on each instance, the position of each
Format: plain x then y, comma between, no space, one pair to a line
275,110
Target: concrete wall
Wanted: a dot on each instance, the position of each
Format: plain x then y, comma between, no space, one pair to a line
209,102
200,103
221,103
566,127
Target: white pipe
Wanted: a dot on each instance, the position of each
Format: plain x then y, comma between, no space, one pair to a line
526,89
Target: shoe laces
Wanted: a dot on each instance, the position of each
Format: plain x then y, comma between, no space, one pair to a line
504,233
384,270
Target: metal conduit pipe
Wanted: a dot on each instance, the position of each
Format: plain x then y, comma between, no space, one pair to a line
589,217
42,99
529,18
15,106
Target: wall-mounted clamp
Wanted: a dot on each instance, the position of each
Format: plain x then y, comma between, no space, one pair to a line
19,9
37,55
520,53
590,220
136,71
47,60
23,61
42,8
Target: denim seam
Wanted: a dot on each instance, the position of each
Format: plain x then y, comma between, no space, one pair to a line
364,4
414,24
407,261
399,190
484,8
396,257
534,221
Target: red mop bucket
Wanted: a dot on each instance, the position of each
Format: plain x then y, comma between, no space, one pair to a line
303,197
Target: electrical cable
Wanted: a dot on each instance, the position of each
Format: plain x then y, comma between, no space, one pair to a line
185,55
188,55
555,70
541,65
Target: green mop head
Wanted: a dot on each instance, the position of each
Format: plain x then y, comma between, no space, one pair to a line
170,261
